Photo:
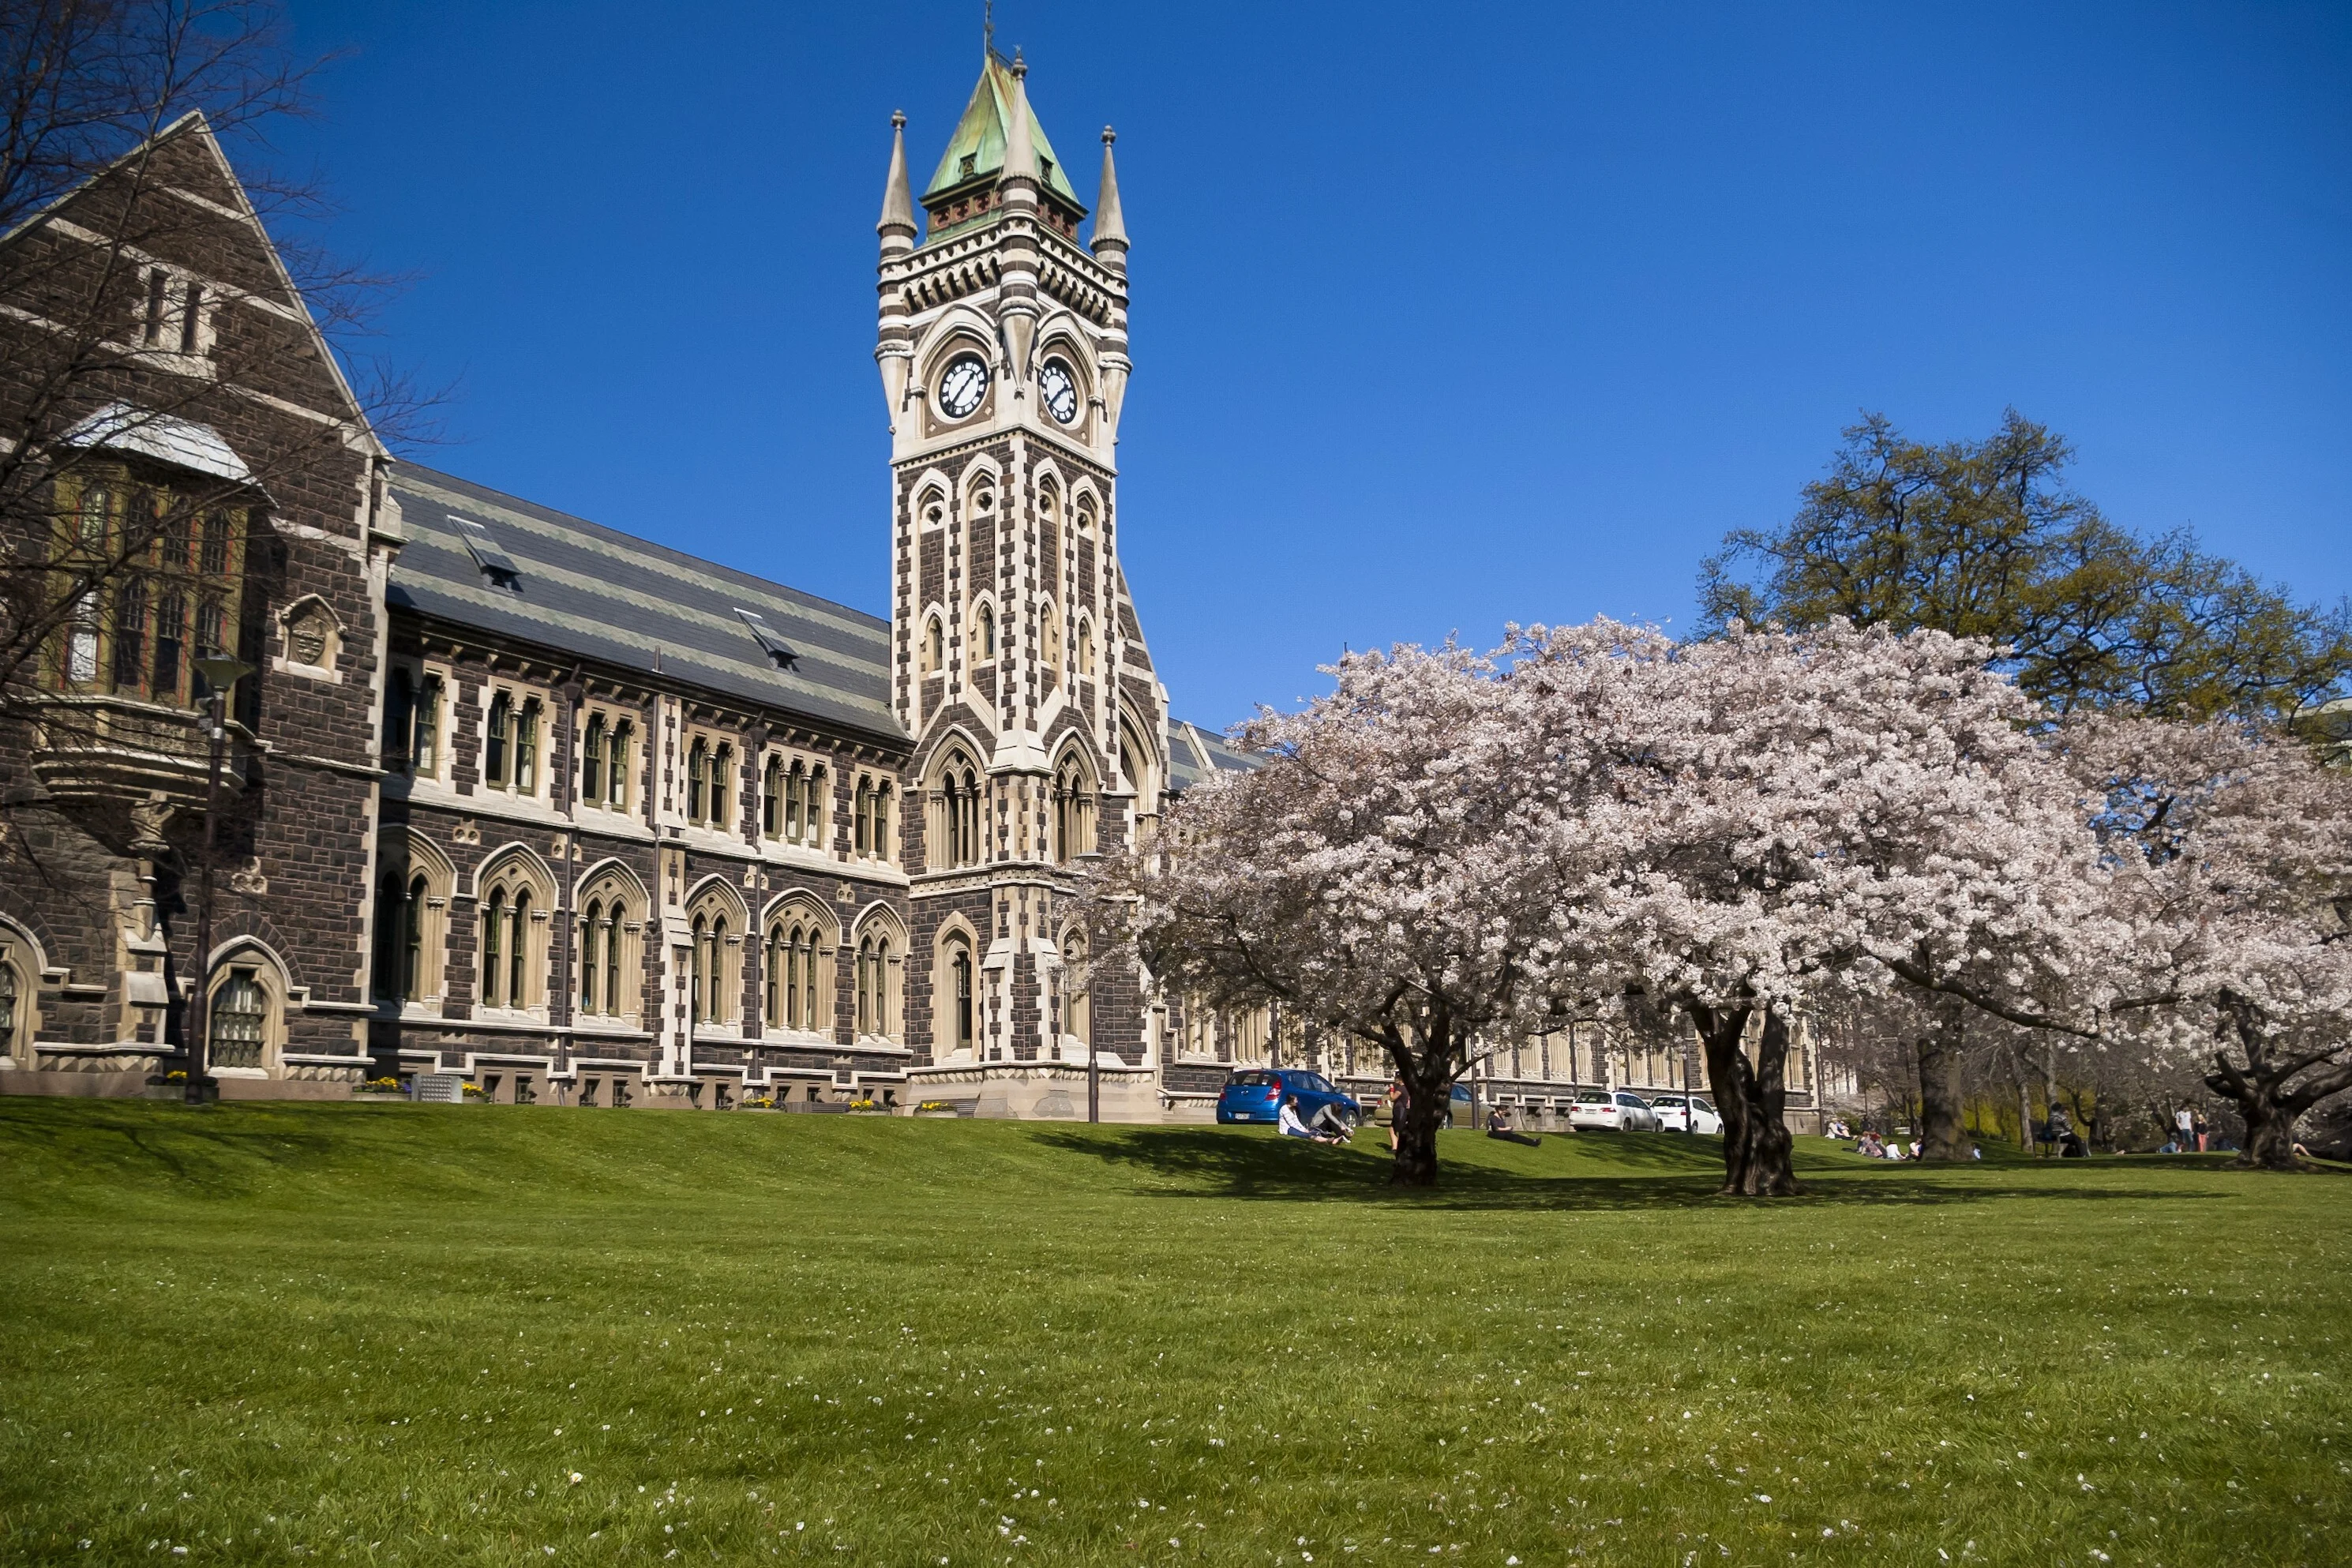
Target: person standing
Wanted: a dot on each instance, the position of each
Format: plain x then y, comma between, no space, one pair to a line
2204,1132
1396,1097
2184,1123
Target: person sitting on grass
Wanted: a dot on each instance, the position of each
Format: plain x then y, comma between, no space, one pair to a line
1290,1124
1499,1125
1329,1124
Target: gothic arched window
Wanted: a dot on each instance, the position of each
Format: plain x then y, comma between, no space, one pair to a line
983,634
878,1012
935,646
1074,809
772,798
526,748
698,970
715,978
617,780
958,989
424,730
511,956
794,990
10,1001
391,921
954,826
698,779
519,991
412,938
591,755
592,952
497,740
239,1025
722,788
1078,993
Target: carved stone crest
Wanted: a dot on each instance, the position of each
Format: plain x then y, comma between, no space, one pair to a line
306,636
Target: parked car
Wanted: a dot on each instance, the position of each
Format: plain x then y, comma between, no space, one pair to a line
1256,1094
1459,1103
1677,1113
1603,1111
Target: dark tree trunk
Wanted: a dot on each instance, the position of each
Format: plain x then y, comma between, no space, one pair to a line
1751,1098
2270,1128
1428,1077
2260,1090
1416,1165
1943,1131
2049,1080
2025,1099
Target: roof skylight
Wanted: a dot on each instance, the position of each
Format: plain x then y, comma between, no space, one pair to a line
495,563
777,649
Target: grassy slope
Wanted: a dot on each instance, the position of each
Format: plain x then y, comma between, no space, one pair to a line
356,1330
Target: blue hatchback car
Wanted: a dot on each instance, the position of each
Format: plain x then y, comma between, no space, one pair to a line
1256,1096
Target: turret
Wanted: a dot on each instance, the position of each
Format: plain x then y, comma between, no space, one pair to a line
898,225
1111,228
1017,190
1110,250
894,350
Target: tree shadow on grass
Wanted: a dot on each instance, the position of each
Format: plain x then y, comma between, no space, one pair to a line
1634,1173
205,1152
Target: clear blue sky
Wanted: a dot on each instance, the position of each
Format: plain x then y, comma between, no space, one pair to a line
1444,315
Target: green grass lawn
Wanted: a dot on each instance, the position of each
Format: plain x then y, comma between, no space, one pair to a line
385,1333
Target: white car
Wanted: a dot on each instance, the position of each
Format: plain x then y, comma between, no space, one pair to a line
1600,1111
1677,1113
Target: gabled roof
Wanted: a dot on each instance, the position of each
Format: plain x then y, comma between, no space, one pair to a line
580,590
1194,753
192,129
980,136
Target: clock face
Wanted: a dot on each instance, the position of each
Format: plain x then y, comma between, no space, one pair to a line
1060,390
965,384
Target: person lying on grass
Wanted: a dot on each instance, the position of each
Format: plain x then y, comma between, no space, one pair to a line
1499,1125
1290,1126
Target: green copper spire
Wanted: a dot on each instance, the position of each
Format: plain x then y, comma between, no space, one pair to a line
977,148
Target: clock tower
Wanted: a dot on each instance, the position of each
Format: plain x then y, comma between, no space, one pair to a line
1018,665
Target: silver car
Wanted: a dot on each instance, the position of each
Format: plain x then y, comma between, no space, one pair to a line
1680,1113
1603,1111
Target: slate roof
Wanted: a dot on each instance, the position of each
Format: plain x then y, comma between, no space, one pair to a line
614,600
606,597
1194,753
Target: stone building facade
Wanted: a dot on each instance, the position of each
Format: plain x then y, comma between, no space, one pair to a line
518,797
515,797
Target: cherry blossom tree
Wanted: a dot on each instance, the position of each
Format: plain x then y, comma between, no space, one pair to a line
1377,876
1782,818
2232,849
1452,850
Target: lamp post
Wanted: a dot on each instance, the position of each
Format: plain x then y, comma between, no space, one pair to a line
220,673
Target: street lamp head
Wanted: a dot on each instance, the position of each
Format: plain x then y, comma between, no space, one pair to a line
221,672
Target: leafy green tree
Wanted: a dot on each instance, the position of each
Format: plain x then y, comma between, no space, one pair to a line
1984,539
